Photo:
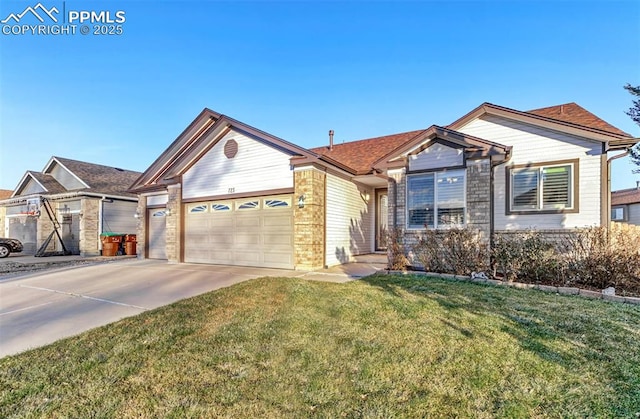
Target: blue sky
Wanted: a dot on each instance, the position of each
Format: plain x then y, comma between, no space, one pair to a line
297,69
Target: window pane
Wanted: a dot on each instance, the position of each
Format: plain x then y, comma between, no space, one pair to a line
524,189
420,202
450,198
617,214
556,187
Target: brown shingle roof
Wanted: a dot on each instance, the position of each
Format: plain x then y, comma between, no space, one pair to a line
576,114
625,196
101,179
5,193
360,155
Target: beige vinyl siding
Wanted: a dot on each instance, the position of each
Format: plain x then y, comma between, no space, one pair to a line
256,167
633,214
117,217
65,178
435,157
349,221
537,145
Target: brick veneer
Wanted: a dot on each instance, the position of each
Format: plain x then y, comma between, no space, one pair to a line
309,241
141,236
478,196
89,227
174,204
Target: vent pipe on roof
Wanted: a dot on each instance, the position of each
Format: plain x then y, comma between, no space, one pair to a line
637,184
330,139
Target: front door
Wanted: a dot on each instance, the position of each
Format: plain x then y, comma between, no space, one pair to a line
382,219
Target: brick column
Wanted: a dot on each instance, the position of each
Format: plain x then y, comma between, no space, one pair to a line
309,221
141,227
89,225
174,205
479,196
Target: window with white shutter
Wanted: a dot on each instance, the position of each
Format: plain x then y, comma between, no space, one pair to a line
543,187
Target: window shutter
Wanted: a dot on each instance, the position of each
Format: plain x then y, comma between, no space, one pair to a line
556,187
525,189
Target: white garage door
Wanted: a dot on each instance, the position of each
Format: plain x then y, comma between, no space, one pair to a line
245,232
157,233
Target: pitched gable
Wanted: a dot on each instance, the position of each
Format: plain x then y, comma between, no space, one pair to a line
207,130
612,140
100,178
38,183
576,114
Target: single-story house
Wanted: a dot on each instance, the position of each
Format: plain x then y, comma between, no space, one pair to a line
85,200
625,205
227,193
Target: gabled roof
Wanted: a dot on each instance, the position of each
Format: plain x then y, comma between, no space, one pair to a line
473,145
198,138
576,114
618,140
362,154
100,179
625,196
48,182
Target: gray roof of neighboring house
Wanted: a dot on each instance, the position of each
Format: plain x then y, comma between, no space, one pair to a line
50,184
101,179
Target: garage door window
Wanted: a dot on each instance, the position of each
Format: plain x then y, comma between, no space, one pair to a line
160,213
277,203
198,209
249,205
220,207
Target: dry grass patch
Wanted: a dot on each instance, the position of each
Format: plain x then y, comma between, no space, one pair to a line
382,347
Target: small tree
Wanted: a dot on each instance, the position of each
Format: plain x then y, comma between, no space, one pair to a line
634,113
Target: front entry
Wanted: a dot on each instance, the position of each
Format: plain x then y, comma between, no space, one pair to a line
382,219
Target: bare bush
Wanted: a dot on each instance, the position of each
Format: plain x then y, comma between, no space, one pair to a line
460,251
395,249
601,258
526,255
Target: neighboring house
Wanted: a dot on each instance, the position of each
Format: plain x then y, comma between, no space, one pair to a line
86,199
227,193
625,206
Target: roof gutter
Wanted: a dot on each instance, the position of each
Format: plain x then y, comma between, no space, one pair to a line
21,199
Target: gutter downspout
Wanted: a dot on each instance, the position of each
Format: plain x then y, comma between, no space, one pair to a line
609,160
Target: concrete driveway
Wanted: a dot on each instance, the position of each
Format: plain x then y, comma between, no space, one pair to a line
39,308
43,307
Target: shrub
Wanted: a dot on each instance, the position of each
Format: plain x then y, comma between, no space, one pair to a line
602,258
526,255
395,250
460,251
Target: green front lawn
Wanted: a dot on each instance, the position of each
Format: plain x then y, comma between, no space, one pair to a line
386,346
